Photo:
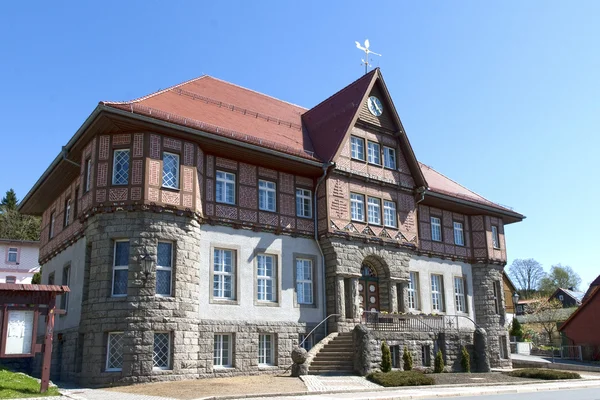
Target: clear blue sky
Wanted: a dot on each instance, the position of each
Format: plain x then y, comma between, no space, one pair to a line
500,96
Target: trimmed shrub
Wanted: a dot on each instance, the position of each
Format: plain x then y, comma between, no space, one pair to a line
438,366
408,360
386,357
516,329
400,378
547,374
465,360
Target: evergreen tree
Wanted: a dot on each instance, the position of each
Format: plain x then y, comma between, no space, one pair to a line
37,278
9,202
14,225
408,360
386,358
465,360
516,329
439,363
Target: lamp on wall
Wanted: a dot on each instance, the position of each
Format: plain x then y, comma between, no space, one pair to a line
515,298
146,263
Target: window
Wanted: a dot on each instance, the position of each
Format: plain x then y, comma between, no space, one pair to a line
11,279
357,207
304,280
306,342
75,203
503,347
304,203
389,157
51,279
120,174
357,148
13,255
495,240
396,358
437,293
374,210
225,187
265,350
88,175
120,268
222,351
374,153
223,274
561,297
459,237
164,268
52,221
497,299
266,195
459,295
170,170
67,211
413,291
426,355
436,229
114,351
161,356
266,277
66,281
389,214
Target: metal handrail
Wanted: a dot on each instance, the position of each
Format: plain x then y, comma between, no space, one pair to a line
315,328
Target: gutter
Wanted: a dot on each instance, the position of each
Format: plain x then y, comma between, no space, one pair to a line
61,155
473,204
326,167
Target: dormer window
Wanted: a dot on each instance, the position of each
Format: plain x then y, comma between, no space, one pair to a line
357,148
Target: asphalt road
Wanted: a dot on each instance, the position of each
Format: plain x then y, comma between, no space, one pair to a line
578,394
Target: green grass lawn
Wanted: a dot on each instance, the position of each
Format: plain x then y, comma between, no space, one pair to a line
19,386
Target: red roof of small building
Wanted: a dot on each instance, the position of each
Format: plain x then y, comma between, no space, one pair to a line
595,293
20,287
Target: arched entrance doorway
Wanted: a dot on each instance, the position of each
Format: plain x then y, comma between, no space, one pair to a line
368,288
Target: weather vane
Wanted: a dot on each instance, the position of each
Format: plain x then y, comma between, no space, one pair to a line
367,52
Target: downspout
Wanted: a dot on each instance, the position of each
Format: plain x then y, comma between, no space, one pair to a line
325,167
421,190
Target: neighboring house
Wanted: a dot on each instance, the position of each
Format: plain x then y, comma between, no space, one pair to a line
522,305
18,260
582,327
209,228
509,291
568,297
593,285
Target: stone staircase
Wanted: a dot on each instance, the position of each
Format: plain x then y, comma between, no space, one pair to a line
337,356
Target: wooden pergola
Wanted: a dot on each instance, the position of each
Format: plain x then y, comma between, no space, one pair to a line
20,309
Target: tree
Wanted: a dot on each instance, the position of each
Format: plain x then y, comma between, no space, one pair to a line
386,358
438,366
407,359
516,330
37,278
465,360
527,274
546,313
560,276
9,202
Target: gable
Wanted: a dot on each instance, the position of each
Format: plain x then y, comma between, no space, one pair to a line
385,120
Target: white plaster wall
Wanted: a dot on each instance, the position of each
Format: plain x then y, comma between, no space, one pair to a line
75,255
427,266
245,242
22,277
27,262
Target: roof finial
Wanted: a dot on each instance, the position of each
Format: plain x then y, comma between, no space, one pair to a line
365,61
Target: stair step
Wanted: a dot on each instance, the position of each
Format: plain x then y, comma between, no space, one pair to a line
334,355
331,363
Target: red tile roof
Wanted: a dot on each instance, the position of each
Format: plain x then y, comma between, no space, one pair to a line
19,287
595,292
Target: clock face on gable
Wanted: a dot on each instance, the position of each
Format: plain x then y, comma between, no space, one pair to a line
375,106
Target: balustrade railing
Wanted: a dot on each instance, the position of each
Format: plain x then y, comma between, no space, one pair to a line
416,323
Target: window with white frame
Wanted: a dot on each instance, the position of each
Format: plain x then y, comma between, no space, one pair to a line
266,195
357,148
66,281
303,203
357,207
459,295
459,236
11,279
304,281
170,170
114,351
88,175
225,187
390,217
13,255
374,153
164,268
161,356
52,222
266,284
67,212
223,274
222,355
120,268
374,210
120,171
495,239
497,299
266,349
437,293
436,229
413,291
389,157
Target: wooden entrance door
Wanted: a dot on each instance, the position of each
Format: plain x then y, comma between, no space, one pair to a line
368,289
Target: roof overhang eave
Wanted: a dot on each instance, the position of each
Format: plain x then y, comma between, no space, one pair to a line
208,135
508,216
